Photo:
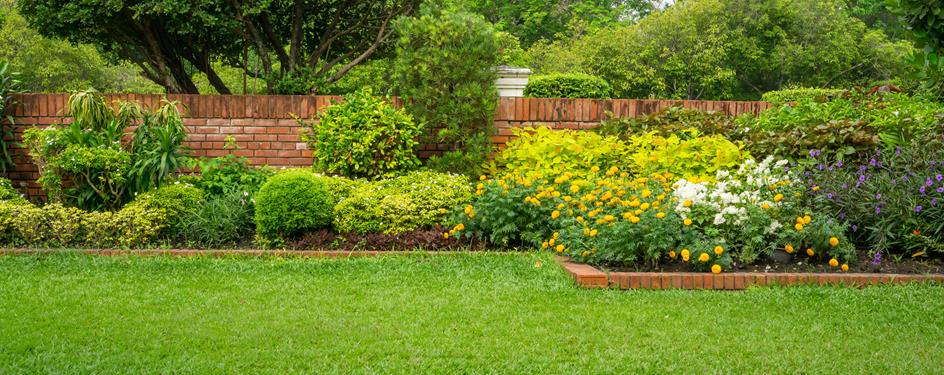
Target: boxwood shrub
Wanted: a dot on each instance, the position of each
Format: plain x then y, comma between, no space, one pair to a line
291,203
413,201
567,85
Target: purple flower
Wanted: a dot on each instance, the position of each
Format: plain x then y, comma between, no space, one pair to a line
873,162
842,215
878,196
845,186
939,178
934,202
830,195
861,178
897,150
878,210
918,208
940,189
839,164
862,168
877,258
928,182
921,189
821,167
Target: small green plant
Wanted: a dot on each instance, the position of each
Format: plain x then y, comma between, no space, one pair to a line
221,220
9,85
780,97
413,201
290,203
7,191
567,85
227,174
668,121
363,136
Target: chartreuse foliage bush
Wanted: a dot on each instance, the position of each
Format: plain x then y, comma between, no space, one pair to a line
668,121
540,152
290,203
413,201
780,97
139,223
567,85
364,136
686,154
610,217
8,192
106,171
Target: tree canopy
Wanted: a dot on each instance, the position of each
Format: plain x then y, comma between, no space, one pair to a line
317,41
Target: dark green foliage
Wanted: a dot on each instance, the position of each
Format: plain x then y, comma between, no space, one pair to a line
363,136
9,84
925,20
562,85
672,120
222,175
221,220
445,64
469,162
290,203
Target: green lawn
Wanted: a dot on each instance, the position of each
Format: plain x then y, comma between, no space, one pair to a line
446,314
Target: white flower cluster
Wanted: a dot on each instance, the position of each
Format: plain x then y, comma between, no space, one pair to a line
731,194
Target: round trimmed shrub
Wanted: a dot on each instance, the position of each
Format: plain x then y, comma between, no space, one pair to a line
363,136
567,85
291,203
401,204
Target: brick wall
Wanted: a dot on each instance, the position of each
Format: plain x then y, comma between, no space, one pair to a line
266,133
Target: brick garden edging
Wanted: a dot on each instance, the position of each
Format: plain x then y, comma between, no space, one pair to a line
590,277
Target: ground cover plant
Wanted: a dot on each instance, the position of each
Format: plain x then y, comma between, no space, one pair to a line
507,313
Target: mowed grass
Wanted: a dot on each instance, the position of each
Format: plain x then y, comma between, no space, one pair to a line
475,313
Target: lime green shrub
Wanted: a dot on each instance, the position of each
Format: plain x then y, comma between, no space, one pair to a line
686,154
779,97
542,152
567,85
291,203
416,200
363,136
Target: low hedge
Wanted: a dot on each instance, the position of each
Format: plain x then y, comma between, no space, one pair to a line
567,85
291,203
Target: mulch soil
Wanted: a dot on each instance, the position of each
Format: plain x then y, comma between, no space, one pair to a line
422,239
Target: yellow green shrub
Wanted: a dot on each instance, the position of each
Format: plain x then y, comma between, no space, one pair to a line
542,152
687,154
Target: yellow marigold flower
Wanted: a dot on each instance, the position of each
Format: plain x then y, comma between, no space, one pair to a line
482,178
567,198
560,248
718,250
778,197
555,214
544,245
672,254
593,233
478,192
634,219
833,241
598,203
646,193
703,257
446,235
685,255
845,267
612,171
574,188
627,215
807,219
555,235
687,203
716,268
687,222
816,188
609,218
460,227
833,262
585,253
765,206
810,252
644,206
556,194
594,169
480,186
579,219
469,208
660,215
788,248
798,227
551,241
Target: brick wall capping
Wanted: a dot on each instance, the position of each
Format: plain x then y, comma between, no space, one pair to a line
591,277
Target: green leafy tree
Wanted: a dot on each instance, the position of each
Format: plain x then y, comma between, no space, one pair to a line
925,19
50,65
297,45
445,65
728,49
